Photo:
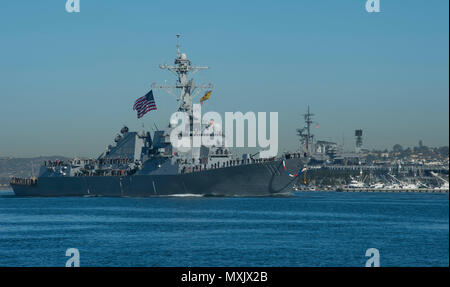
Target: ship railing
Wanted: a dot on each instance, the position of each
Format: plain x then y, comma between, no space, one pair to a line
231,163
107,172
23,181
89,162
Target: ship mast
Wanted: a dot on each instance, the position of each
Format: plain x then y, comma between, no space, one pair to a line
182,68
305,135
308,121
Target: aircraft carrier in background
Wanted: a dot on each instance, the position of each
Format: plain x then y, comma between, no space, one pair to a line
331,167
139,164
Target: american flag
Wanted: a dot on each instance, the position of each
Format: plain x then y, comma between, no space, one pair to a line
144,104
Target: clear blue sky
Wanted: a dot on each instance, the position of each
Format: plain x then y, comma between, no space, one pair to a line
68,81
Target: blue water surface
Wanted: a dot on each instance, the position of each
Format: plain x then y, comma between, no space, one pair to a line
306,229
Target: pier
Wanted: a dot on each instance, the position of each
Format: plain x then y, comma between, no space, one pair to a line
415,190
440,169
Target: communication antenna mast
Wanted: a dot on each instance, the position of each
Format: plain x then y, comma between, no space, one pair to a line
306,138
178,46
182,68
308,120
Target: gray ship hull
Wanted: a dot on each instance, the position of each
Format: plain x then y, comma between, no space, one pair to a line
259,179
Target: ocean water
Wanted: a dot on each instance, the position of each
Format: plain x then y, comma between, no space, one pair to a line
306,229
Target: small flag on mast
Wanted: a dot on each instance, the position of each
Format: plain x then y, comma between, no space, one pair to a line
144,104
205,97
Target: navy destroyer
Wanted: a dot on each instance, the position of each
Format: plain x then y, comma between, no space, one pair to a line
142,165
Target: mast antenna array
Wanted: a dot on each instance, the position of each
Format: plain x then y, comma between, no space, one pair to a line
178,45
181,68
306,137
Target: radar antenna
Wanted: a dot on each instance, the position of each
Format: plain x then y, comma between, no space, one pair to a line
182,68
